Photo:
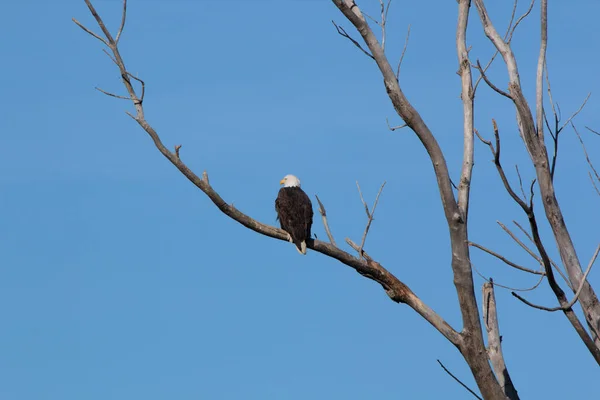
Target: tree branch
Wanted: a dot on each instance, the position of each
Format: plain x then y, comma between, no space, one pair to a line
473,345
324,218
570,304
505,260
459,381
494,348
370,216
403,52
394,288
538,153
343,33
467,95
539,90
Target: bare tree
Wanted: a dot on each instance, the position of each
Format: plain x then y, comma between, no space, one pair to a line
483,353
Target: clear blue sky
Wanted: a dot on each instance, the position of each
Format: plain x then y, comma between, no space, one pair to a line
120,280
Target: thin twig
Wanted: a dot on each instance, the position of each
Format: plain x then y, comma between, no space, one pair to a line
112,94
363,200
520,182
343,33
393,128
110,56
490,280
459,381
521,18
519,242
403,52
512,19
90,32
325,223
574,299
123,18
578,110
505,260
554,264
370,215
587,158
593,131
357,248
489,83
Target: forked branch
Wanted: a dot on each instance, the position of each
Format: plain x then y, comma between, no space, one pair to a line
325,223
370,216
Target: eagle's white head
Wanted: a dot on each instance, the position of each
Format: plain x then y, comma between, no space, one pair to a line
290,181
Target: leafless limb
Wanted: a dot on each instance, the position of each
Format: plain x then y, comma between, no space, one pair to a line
90,32
370,215
123,18
527,289
577,112
593,131
382,24
489,83
459,381
587,158
557,129
494,348
112,94
567,306
394,128
538,155
496,153
505,260
111,57
524,231
394,288
527,208
539,91
343,33
357,248
554,264
531,252
521,183
403,52
325,223
177,148
510,22
467,96
521,18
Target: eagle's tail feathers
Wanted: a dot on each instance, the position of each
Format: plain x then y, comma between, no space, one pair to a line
302,247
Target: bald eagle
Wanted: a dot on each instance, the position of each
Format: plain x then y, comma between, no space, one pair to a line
294,212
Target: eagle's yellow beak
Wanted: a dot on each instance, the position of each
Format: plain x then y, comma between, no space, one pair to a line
281,182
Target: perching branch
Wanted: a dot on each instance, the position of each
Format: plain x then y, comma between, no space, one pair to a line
394,288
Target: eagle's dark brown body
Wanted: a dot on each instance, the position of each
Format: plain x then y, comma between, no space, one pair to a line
295,214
